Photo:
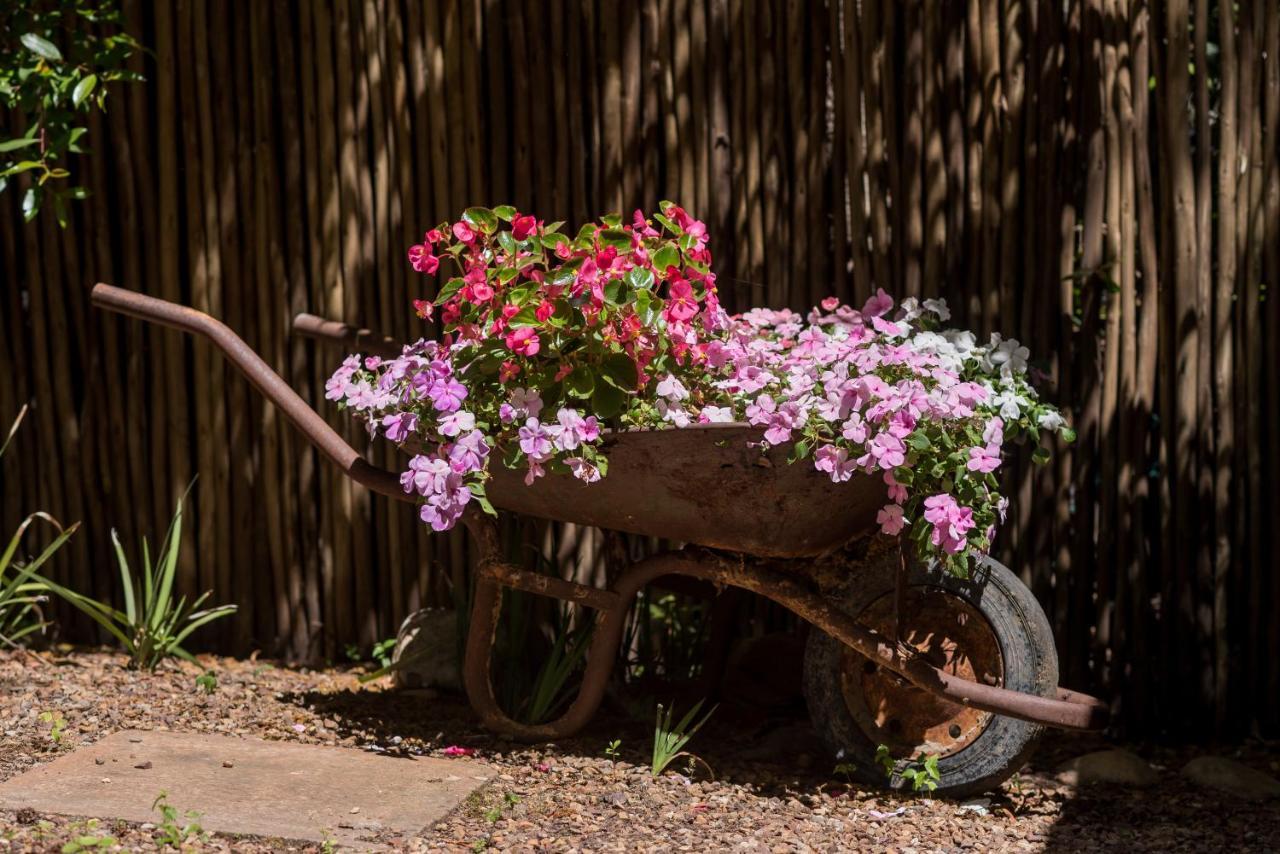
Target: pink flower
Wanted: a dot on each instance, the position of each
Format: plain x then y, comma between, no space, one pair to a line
951,522
897,492
879,304
423,308
523,341
508,371
466,234
523,226
681,303
890,519
455,750
835,461
983,459
544,311
830,303
422,259
888,450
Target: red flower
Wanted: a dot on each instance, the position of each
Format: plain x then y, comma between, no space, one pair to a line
424,308
544,311
422,259
508,371
523,226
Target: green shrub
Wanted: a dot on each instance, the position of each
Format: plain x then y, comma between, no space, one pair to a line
152,625
21,589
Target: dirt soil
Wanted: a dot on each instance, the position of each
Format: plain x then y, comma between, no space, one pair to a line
771,791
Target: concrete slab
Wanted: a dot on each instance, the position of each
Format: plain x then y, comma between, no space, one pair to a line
249,786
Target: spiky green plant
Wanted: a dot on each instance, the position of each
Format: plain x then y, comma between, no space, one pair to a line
152,625
21,589
668,740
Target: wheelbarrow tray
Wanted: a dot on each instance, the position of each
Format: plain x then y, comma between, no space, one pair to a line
710,485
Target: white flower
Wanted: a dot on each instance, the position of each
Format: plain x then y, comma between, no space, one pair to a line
938,307
1010,403
675,414
716,415
672,389
911,308
1009,357
1052,420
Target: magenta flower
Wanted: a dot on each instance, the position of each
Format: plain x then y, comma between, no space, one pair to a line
422,259
400,426
888,450
879,304
447,394
522,226
523,341
468,453
574,430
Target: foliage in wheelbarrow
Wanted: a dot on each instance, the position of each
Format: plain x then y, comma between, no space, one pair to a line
550,338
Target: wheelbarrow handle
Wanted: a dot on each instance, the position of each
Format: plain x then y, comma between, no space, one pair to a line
258,372
351,337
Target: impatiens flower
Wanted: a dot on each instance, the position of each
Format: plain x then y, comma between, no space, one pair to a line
455,750
951,522
447,394
535,441
526,401
523,341
830,303
890,519
574,430
983,459
469,452
1052,420
878,305
400,426
522,226
583,470
671,389
1009,357
715,415
455,423
887,450
835,461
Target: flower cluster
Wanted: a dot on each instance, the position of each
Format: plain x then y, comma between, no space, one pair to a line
548,337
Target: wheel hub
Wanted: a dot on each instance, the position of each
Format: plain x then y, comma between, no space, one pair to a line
950,634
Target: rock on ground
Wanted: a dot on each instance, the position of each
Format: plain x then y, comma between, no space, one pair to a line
1233,777
1108,766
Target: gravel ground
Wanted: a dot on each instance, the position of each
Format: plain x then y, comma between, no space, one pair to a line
768,795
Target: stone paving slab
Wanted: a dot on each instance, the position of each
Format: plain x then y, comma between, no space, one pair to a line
249,786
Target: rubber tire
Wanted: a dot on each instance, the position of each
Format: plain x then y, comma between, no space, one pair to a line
1030,665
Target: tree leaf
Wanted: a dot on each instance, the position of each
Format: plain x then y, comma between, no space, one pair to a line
15,144
83,89
41,47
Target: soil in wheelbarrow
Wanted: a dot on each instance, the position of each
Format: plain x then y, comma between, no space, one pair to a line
773,789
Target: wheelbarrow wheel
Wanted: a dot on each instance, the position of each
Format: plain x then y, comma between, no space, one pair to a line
988,628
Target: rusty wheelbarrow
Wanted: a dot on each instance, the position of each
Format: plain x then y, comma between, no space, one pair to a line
906,655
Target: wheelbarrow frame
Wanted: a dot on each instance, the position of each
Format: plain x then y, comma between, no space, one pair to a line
780,580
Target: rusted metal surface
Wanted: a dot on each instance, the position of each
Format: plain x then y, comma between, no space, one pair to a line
353,338
704,484
951,635
700,485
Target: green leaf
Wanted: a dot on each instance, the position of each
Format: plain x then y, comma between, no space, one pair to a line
640,279
607,400
450,288
580,383
667,256
1040,456
1068,435
15,144
41,47
616,238
615,292
83,89
507,242
612,220
524,317
481,218
504,212
904,475
619,370
919,441
668,224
